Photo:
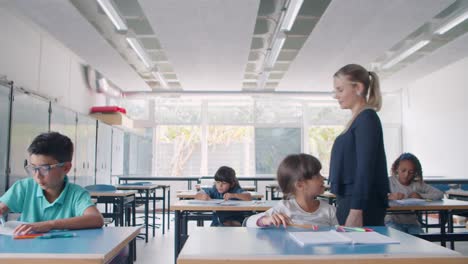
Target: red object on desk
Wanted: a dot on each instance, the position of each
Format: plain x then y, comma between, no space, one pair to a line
28,236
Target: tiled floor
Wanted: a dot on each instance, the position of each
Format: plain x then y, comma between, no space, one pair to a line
160,249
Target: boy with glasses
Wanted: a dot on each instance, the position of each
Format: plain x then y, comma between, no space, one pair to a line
47,200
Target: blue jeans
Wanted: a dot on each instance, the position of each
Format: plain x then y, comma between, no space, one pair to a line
407,228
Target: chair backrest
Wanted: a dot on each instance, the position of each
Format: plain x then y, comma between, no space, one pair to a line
100,188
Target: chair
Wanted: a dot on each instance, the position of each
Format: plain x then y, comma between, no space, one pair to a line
100,188
108,217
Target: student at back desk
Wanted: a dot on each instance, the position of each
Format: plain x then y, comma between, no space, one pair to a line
226,187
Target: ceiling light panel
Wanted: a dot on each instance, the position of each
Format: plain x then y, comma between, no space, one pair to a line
357,37
207,42
113,14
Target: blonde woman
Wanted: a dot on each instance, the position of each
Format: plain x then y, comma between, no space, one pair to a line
358,170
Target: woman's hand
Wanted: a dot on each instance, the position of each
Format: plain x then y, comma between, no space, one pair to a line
354,218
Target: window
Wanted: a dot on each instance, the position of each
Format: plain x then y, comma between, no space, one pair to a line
231,146
178,151
272,145
320,139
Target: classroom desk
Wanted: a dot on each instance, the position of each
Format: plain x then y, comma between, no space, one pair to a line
445,209
250,188
89,247
255,179
444,180
273,245
189,179
187,195
457,194
119,198
148,190
183,207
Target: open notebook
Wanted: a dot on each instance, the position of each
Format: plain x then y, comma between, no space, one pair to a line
8,228
333,237
410,201
214,202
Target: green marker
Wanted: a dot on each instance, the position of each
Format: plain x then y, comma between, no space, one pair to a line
64,235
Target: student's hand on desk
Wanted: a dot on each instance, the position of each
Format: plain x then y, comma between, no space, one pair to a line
202,196
396,196
415,195
3,208
39,227
228,196
276,220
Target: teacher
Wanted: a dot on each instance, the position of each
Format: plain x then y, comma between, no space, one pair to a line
358,168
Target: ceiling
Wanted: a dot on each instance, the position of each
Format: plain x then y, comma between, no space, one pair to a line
223,45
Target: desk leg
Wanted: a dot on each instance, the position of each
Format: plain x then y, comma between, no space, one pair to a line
146,215
450,228
177,226
168,207
132,251
122,210
164,210
134,211
154,211
443,221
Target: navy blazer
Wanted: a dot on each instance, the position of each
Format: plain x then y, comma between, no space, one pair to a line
358,167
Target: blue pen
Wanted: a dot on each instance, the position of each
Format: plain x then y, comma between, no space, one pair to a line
64,235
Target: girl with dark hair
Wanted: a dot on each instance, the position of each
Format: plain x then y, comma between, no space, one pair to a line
301,182
226,187
407,182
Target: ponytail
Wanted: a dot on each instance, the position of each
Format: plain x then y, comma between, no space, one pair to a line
375,96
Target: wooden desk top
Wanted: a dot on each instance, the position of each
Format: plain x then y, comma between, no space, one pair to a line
113,194
192,205
463,193
444,205
159,178
274,245
89,246
191,195
137,186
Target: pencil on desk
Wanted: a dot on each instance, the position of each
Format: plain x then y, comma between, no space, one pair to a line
28,236
313,227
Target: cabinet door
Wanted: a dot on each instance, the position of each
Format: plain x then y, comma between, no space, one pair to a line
144,156
4,131
85,150
117,152
103,153
63,120
91,151
30,117
133,155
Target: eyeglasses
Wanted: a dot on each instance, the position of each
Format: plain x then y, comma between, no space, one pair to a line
43,169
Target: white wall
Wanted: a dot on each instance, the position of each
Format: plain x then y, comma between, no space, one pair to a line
435,126
390,116
34,60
